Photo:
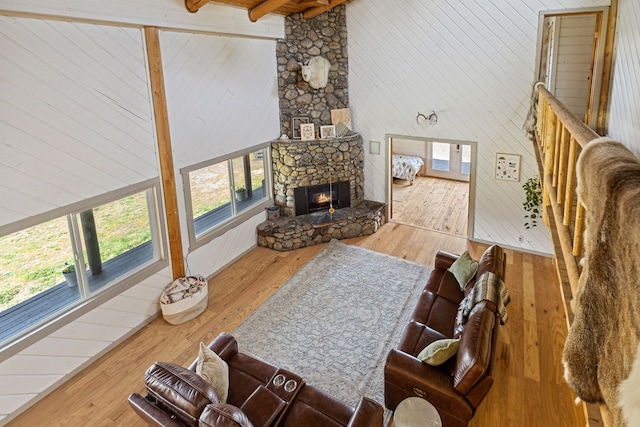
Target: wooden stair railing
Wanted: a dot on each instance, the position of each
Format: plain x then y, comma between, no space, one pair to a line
559,139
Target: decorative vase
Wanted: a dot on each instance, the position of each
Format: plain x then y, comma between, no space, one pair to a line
241,196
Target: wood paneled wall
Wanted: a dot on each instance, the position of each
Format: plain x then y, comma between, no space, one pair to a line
471,62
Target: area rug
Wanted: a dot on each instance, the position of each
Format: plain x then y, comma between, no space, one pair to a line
336,319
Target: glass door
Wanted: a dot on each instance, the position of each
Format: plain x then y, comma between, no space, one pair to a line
449,160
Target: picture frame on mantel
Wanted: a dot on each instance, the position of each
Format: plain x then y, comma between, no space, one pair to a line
327,132
296,121
307,131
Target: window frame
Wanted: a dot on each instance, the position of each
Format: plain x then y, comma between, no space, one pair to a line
236,218
88,302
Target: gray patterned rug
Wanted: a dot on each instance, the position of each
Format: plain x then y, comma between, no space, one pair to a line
336,319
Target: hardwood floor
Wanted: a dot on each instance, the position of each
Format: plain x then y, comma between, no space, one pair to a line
432,203
529,388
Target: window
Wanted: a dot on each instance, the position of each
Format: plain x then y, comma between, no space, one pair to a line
220,191
48,268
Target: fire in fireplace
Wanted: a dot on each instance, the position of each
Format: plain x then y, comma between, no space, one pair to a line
316,198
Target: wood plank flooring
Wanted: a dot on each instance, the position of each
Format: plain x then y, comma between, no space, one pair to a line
432,203
529,388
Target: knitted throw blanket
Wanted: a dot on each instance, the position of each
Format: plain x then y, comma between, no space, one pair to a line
489,287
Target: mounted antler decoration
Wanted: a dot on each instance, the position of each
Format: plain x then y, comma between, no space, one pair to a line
316,71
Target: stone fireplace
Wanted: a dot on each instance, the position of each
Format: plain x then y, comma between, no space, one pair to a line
310,176
299,164
315,198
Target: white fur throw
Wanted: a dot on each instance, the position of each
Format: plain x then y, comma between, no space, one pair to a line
630,394
603,339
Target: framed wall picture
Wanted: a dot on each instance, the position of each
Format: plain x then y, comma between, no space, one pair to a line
508,167
327,132
296,121
307,131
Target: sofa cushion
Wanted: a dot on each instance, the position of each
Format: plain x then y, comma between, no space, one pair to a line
438,352
464,269
180,390
215,370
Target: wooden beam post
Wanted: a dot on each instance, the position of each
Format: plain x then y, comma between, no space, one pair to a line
194,5
161,115
607,72
265,7
315,11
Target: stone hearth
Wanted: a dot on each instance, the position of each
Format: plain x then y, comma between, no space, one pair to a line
288,233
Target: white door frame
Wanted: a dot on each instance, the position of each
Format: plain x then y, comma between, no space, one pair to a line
593,101
472,175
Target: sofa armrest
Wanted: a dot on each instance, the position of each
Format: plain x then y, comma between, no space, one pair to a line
150,413
409,373
421,371
223,415
368,413
445,259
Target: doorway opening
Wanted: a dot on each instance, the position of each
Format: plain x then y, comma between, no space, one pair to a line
430,184
570,61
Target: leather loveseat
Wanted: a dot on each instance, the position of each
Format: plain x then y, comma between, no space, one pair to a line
456,387
259,395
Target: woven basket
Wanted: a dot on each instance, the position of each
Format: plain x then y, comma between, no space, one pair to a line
191,306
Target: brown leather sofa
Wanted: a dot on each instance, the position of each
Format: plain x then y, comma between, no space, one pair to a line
259,395
456,387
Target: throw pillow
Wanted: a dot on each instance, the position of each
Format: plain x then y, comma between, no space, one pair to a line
214,370
464,268
439,351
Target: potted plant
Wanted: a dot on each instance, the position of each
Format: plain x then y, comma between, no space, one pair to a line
69,273
241,194
533,192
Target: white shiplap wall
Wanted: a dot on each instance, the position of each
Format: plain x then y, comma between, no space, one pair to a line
624,114
222,97
214,18
573,61
75,118
75,122
470,61
222,94
83,57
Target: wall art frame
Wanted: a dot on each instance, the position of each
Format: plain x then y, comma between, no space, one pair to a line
296,121
507,167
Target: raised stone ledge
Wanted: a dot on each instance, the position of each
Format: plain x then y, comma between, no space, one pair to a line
288,233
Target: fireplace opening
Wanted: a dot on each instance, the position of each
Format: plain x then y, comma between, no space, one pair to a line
316,198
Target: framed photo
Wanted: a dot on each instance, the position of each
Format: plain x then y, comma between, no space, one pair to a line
327,132
307,131
296,121
341,115
508,167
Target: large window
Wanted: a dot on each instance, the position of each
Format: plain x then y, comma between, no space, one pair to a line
220,191
53,266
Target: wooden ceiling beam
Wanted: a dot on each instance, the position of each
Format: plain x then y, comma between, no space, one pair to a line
315,11
194,5
263,8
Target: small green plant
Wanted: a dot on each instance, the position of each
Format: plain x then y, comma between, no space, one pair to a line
68,268
533,192
241,189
